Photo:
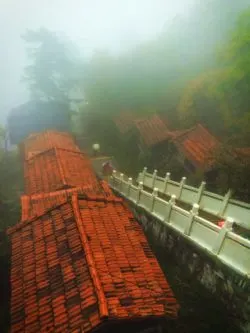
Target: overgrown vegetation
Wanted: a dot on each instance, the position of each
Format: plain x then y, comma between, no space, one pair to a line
10,190
196,70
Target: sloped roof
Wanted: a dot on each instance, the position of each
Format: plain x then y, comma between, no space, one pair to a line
152,130
37,204
36,143
244,152
197,145
82,264
56,169
125,121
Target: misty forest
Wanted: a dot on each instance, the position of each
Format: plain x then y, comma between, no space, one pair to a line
196,70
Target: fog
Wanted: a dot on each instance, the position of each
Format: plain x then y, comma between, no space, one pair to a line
114,25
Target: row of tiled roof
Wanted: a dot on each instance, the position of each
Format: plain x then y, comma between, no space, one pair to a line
197,144
80,261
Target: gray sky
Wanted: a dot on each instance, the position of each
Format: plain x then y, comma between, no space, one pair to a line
111,24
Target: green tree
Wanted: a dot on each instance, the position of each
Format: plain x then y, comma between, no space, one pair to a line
54,69
223,93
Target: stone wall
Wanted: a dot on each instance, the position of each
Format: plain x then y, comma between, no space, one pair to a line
224,284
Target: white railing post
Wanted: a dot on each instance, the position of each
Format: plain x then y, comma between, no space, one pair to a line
144,174
154,178
113,177
129,186
222,235
170,205
154,195
139,189
121,181
166,180
182,183
225,203
200,192
194,212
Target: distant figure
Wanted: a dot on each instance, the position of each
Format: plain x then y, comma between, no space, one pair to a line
107,169
96,149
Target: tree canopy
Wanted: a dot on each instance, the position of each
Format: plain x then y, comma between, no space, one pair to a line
55,67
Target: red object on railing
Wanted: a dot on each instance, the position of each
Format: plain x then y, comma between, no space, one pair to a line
221,223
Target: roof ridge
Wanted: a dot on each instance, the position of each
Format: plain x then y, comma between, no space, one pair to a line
58,160
206,130
53,148
103,307
22,224
185,131
38,154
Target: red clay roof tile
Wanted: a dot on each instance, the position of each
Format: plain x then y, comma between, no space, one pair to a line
82,262
243,152
37,204
40,142
197,145
56,169
125,121
152,130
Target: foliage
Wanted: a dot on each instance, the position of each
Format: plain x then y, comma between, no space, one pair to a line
233,172
223,93
35,116
10,188
54,68
204,100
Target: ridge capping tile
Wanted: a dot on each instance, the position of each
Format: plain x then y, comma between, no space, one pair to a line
22,224
103,307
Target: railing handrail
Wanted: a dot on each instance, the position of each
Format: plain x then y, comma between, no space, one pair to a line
210,202
232,249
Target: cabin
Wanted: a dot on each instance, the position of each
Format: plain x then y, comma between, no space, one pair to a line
147,136
194,150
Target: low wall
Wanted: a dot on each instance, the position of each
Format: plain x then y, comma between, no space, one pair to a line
210,202
223,283
216,259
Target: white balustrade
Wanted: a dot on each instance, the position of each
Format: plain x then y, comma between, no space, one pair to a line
209,202
222,243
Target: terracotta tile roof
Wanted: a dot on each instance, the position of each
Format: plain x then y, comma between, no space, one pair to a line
39,142
81,264
37,204
244,152
56,169
152,130
197,145
125,121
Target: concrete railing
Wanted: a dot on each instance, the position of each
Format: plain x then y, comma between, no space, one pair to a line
230,248
208,201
